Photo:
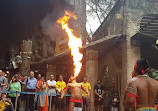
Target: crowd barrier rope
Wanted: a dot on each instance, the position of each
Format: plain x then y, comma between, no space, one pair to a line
35,93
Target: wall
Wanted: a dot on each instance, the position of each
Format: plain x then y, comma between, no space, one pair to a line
115,59
113,23
135,10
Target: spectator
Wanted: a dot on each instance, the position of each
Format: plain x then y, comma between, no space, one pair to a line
84,94
14,86
52,89
39,83
21,98
31,84
43,99
60,85
5,87
107,101
3,81
5,103
99,93
115,102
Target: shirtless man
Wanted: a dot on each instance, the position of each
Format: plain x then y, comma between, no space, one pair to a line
141,90
76,94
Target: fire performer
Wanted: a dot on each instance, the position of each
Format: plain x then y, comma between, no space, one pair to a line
76,94
141,90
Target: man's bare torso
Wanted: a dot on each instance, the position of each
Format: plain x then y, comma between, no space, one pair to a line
75,90
147,90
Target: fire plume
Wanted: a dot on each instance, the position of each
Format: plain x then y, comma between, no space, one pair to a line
74,42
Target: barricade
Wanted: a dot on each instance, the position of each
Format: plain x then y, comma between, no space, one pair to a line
35,93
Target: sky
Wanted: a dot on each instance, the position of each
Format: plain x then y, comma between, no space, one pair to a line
92,23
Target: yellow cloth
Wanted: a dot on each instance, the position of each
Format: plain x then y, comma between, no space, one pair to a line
147,109
3,105
60,85
88,87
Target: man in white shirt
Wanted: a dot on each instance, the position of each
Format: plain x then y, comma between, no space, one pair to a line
52,89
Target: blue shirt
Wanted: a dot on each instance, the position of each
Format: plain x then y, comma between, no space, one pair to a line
31,83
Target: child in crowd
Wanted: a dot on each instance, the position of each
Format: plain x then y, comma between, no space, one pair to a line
5,103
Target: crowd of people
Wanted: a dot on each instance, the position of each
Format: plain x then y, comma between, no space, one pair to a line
140,93
41,101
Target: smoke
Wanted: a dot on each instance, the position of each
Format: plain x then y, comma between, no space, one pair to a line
49,26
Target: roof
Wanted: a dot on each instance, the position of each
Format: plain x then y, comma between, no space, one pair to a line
102,40
149,25
66,56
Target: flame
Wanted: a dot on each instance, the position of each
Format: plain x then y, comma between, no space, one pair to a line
74,43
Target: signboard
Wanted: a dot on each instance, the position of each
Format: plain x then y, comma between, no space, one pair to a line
61,45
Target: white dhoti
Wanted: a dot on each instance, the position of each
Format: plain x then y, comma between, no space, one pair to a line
77,109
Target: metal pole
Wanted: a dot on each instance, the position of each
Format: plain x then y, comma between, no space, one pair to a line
50,103
16,101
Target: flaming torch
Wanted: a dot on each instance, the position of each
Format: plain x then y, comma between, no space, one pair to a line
74,42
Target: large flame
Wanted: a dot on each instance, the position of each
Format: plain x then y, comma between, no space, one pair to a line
74,43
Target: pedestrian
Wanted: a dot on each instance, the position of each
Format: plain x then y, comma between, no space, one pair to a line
21,98
6,86
141,91
52,90
5,103
107,102
42,98
14,86
84,94
99,94
31,84
60,85
39,83
3,82
115,102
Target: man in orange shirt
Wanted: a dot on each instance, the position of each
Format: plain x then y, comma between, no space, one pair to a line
39,83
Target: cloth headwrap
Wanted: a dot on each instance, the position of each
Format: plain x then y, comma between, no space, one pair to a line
142,65
133,73
71,79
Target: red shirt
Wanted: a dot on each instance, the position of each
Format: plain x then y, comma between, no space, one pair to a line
22,79
39,83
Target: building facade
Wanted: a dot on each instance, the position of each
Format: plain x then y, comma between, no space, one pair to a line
137,21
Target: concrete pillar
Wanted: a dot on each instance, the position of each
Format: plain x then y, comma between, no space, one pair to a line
92,70
133,54
26,53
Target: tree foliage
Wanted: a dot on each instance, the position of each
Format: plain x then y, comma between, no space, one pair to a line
153,73
98,10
